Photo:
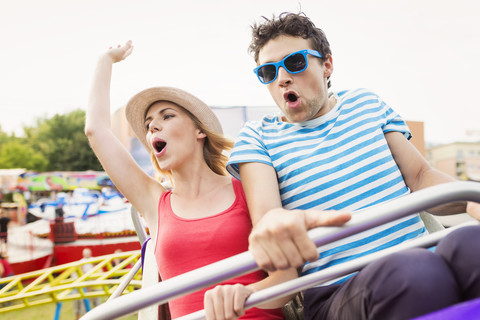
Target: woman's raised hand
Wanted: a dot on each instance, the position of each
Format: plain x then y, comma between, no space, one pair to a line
120,52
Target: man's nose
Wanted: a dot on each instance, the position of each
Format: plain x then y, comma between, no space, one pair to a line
283,76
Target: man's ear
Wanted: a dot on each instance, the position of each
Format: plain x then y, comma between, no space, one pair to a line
328,66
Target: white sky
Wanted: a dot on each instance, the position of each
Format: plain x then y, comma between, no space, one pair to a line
421,56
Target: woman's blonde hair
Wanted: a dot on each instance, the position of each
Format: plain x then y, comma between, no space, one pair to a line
213,150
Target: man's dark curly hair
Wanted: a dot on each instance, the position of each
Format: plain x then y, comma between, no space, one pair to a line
289,24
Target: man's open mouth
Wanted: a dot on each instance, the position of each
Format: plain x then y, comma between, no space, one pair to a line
290,97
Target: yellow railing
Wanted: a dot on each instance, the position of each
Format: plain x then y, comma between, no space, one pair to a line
69,282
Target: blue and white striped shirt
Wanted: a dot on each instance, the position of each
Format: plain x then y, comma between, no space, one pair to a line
339,161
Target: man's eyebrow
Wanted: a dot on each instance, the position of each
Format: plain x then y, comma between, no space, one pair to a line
274,61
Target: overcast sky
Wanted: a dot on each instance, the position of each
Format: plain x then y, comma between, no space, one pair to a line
421,56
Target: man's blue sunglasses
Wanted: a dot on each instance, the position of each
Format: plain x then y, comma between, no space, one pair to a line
295,62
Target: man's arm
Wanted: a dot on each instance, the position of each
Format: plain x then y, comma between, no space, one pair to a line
279,237
260,185
418,174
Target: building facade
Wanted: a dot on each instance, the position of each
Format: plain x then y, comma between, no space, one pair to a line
460,160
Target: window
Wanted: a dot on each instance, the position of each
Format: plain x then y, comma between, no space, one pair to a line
460,154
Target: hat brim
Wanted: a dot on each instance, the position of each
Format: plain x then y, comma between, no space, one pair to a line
138,105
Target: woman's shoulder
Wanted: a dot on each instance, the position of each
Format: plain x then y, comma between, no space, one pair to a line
238,189
237,185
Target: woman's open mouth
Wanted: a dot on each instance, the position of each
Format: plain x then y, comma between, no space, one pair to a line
158,145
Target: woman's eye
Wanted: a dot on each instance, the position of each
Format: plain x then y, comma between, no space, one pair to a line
167,116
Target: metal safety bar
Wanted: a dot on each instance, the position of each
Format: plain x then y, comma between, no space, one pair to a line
142,237
126,280
137,223
244,263
319,277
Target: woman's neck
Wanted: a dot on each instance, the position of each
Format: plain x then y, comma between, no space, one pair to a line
195,181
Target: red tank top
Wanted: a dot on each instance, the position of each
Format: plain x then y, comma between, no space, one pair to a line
183,245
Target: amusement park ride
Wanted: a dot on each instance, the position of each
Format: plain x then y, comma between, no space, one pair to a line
67,225
56,285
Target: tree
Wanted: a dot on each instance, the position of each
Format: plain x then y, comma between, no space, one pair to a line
3,137
16,154
61,140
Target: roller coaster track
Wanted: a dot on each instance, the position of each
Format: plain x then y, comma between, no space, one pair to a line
68,282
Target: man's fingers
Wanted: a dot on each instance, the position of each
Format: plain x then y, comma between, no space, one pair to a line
299,250
473,209
280,240
317,218
267,253
305,249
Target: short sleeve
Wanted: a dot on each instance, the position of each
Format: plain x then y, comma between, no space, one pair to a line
393,121
249,147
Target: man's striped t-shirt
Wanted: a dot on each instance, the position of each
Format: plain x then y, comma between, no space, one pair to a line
339,161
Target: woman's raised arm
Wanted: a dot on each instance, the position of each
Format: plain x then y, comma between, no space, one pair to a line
139,188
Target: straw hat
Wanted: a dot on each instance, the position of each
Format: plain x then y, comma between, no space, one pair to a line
138,105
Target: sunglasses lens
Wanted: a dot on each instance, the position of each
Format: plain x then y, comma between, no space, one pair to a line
267,73
296,63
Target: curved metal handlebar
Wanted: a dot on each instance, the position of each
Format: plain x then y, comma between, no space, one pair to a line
244,263
137,223
316,278
142,236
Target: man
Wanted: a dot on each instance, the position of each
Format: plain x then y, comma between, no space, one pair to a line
339,151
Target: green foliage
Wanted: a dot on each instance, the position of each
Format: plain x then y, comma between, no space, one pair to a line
16,154
55,144
3,136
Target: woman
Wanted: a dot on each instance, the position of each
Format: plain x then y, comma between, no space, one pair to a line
204,218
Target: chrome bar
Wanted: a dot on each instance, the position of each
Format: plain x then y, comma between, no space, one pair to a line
137,223
126,280
174,287
244,262
142,236
398,208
